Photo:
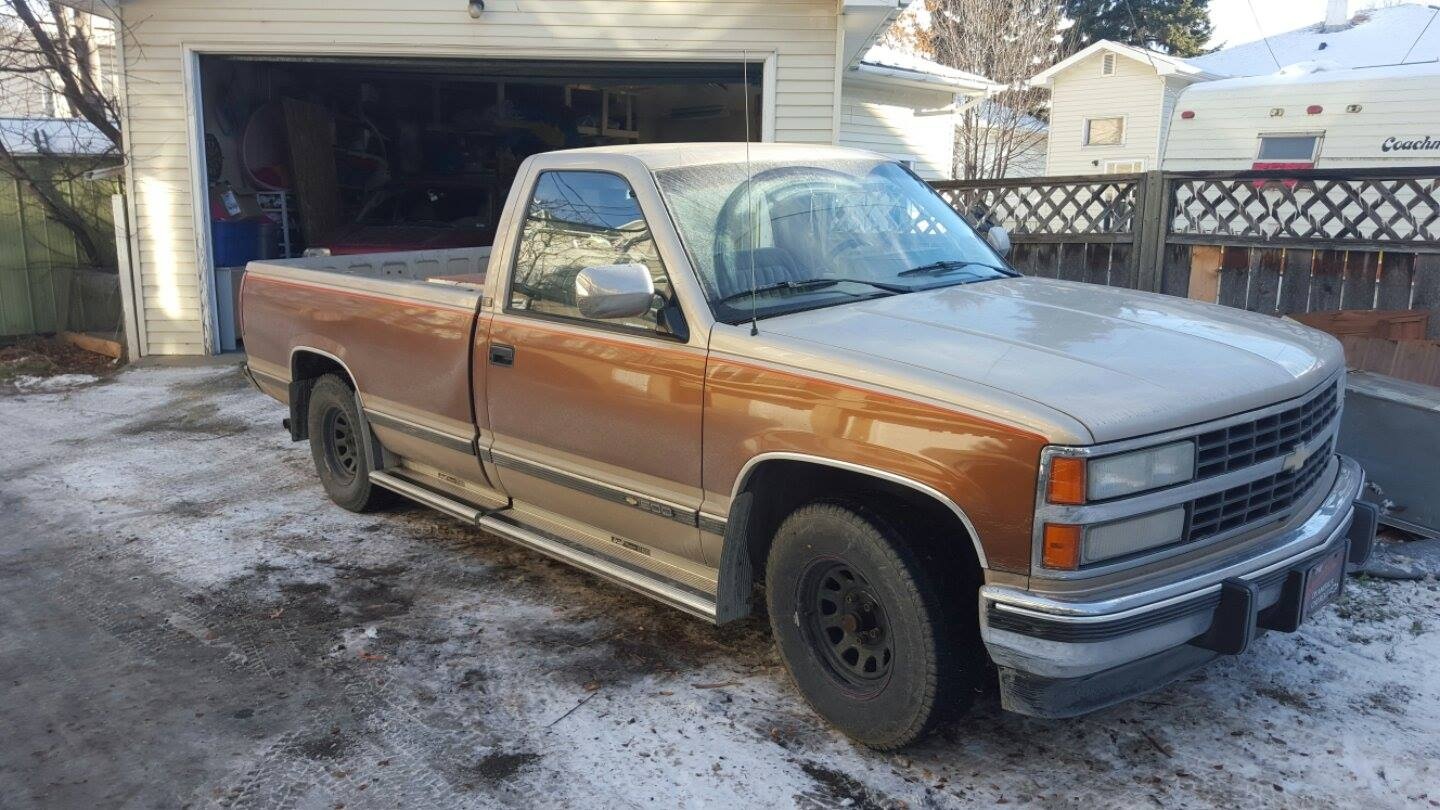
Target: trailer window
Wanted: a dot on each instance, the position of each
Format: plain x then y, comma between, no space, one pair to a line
1105,131
1297,148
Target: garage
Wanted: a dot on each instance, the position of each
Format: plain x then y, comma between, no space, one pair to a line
338,156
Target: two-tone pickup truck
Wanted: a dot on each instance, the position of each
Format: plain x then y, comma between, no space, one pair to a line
698,369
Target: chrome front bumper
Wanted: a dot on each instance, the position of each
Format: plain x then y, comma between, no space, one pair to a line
1061,657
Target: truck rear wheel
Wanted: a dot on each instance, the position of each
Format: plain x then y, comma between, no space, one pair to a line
337,447
871,627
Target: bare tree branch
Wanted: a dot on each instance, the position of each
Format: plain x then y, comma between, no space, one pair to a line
1006,41
49,52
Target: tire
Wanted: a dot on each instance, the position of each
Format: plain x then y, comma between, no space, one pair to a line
335,446
877,630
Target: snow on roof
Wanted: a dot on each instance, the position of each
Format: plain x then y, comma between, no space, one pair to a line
888,60
1309,74
53,136
1164,64
1380,36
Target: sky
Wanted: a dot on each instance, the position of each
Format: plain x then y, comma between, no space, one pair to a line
1234,23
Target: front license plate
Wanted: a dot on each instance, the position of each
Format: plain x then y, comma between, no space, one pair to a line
1324,582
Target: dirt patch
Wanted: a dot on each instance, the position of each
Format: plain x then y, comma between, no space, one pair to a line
48,357
500,766
324,746
194,419
835,789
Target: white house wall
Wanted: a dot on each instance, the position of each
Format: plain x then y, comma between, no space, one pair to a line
892,120
1135,91
163,35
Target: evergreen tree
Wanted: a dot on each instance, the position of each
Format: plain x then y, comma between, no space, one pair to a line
1176,27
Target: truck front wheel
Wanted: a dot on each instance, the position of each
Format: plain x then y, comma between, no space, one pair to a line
871,623
336,445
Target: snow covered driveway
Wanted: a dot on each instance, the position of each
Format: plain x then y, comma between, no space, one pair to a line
185,620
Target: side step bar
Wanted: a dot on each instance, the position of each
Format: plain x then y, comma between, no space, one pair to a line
660,589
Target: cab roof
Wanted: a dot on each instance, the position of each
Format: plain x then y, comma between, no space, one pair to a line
660,156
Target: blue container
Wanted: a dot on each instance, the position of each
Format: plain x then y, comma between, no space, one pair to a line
235,242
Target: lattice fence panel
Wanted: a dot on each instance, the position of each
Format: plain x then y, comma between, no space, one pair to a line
1404,211
1100,206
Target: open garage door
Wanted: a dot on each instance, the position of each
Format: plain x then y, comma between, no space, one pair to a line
375,155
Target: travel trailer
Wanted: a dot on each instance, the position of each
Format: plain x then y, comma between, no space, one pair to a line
1306,116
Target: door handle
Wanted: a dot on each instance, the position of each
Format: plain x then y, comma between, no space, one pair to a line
502,355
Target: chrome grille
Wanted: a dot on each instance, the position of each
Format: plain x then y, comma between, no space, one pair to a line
1268,497
1240,446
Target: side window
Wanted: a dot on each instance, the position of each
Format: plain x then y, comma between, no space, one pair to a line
580,219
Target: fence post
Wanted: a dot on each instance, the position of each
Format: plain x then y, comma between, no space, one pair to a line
131,309
1151,228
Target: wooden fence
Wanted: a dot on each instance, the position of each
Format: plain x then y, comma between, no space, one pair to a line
1277,241
44,283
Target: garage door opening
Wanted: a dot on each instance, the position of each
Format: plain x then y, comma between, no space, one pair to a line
364,156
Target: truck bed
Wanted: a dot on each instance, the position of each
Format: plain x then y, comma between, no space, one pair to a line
400,324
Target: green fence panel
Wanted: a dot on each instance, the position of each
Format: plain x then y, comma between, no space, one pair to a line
43,284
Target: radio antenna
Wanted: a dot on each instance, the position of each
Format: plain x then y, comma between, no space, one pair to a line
749,190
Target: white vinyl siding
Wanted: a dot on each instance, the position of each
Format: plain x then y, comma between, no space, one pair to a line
892,121
802,35
1079,93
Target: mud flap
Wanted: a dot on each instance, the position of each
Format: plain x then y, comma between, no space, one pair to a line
737,579
299,422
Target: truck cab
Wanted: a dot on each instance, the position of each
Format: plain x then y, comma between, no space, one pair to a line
719,373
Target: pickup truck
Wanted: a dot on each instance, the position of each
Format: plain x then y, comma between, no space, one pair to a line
715,373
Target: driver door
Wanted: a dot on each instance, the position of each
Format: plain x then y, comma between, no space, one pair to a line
597,421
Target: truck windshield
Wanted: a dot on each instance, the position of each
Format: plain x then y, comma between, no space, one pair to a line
786,231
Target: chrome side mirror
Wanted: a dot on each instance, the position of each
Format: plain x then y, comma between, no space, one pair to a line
999,238
614,291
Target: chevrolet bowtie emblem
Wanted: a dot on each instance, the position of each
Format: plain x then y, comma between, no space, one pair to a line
1297,458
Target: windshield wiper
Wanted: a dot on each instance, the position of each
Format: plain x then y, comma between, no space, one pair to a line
811,284
945,266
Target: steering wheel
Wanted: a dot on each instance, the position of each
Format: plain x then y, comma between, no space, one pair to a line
725,220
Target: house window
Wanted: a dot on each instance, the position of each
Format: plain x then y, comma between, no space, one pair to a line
1124,166
1288,148
1105,131
1107,65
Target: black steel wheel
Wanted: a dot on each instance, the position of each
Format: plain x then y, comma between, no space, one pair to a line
337,448
341,447
847,624
875,619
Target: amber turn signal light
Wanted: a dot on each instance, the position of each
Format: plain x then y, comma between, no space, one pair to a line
1061,549
1067,480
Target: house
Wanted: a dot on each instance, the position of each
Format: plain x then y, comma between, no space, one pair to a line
903,106
1110,106
264,130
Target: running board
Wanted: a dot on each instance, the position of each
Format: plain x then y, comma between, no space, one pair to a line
672,594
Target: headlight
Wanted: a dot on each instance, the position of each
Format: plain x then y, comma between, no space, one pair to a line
1142,470
1133,535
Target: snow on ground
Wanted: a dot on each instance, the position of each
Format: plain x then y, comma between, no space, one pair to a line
190,621
57,382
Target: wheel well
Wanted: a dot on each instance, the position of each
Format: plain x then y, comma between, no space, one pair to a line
305,368
780,486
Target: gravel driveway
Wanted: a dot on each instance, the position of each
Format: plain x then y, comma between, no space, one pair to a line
185,620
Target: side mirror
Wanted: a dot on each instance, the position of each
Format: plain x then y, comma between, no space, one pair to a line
614,291
999,238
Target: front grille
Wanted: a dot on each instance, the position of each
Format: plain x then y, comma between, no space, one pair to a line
1268,497
1239,446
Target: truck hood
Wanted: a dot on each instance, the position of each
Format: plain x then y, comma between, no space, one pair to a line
1120,362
